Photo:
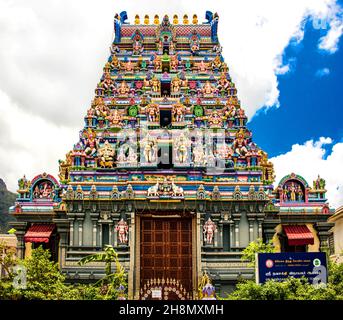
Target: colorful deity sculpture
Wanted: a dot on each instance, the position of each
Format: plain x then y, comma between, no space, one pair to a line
174,62
100,109
123,229
106,155
152,112
128,66
155,85
208,90
240,144
157,63
137,47
202,66
176,85
90,142
223,83
319,183
215,120
199,155
115,119
149,148
108,83
178,112
123,88
181,148
216,63
208,229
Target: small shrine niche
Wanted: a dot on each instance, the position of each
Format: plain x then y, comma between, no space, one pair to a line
43,189
292,190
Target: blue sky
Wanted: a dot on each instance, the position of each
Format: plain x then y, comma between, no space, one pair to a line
311,104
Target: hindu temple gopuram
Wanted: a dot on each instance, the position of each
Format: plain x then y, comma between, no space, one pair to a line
166,171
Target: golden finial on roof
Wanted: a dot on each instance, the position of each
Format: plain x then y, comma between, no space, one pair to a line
195,19
137,19
156,19
146,19
185,19
175,19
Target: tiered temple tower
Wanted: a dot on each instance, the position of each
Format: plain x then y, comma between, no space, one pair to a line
165,170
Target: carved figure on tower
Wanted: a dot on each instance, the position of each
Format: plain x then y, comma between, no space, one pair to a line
181,147
149,148
176,85
240,144
152,111
106,155
208,90
217,63
123,230
155,85
208,230
123,89
115,119
178,112
174,62
215,120
90,142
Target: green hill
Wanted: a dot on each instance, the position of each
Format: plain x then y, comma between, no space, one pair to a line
7,199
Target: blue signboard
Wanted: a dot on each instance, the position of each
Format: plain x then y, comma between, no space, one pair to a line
280,266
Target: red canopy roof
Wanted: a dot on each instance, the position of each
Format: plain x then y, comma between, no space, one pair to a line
298,235
39,233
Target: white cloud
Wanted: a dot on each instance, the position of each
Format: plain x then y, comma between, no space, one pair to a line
309,160
52,54
322,72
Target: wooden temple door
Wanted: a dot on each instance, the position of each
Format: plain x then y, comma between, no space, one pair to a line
166,258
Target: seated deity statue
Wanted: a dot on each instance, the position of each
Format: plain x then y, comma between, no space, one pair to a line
90,142
198,155
240,144
108,83
115,62
115,119
229,110
202,66
223,83
216,63
123,89
128,66
215,120
137,47
208,89
106,155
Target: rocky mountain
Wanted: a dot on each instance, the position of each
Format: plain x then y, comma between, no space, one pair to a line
7,199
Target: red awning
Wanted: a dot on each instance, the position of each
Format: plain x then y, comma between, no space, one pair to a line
298,235
39,233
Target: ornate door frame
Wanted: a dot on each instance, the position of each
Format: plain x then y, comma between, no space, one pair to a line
135,262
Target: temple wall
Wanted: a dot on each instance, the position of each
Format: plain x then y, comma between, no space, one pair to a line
87,230
243,230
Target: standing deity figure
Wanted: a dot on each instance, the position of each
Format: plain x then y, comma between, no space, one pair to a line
178,112
121,157
122,229
209,229
123,88
176,85
152,112
106,155
215,120
155,84
292,190
115,118
90,142
149,148
174,62
240,144
160,47
157,62
181,147
208,89
319,183
299,193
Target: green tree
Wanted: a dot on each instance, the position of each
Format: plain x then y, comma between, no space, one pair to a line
112,281
257,246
